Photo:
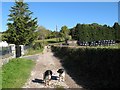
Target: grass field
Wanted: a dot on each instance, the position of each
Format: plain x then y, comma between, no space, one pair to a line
16,72
32,51
49,41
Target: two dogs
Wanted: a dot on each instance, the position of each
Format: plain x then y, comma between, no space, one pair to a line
47,76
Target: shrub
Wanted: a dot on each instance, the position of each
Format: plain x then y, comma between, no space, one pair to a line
37,46
91,67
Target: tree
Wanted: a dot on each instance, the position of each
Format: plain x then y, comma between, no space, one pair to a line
72,33
77,32
43,33
94,32
65,33
80,32
53,34
116,26
21,26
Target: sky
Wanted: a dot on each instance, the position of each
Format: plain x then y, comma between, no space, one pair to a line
50,14
119,12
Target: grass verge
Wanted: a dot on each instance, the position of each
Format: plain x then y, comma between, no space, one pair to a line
16,72
33,51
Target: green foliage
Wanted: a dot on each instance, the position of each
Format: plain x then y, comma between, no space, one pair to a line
116,26
94,32
64,32
38,45
43,33
50,41
0,36
21,26
16,72
35,48
32,51
91,67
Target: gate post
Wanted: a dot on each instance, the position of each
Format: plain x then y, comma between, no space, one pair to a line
12,46
22,50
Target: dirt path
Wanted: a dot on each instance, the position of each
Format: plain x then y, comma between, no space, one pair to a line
48,61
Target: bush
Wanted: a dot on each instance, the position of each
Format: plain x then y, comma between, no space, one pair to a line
37,45
91,67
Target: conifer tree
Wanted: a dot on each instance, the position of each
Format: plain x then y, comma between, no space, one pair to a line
21,25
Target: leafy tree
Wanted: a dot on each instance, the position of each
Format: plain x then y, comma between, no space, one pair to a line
43,33
21,26
72,33
95,32
77,32
53,34
116,26
80,32
65,33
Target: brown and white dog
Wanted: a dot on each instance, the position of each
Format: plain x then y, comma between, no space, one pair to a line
61,74
47,77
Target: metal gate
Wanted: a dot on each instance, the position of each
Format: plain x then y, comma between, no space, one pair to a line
18,51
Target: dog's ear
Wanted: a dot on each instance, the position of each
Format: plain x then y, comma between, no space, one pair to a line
58,70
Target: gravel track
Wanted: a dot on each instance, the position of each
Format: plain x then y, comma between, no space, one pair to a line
46,61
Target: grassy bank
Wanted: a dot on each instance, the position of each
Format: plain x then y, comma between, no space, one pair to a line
50,41
91,67
16,72
32,51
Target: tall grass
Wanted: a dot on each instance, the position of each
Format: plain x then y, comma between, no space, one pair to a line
91,67
16,72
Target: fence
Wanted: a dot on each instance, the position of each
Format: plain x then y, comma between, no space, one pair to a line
7,52
26,48
10,51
